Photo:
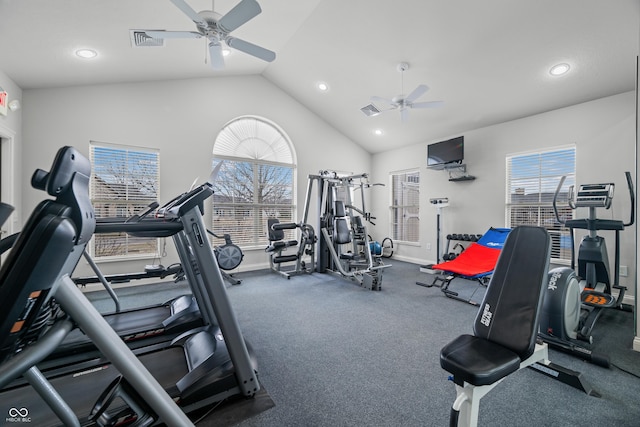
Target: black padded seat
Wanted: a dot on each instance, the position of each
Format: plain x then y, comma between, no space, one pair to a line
342,231
478,361
276,237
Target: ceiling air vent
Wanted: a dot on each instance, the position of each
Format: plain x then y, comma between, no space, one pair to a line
140,39
370,110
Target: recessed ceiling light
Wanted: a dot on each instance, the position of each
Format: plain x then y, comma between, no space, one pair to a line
86,53
560,69
322,86
378,132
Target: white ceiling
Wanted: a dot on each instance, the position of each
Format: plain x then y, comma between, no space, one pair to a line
488,60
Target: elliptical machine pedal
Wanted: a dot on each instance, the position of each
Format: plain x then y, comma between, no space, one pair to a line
594,298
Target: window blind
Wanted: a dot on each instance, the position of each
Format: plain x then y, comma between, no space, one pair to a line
405,206
532,179
255,182
124,181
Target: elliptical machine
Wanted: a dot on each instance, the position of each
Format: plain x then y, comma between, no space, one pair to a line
574,302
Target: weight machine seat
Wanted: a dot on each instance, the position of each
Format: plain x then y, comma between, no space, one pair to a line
342,231
506,326
276,237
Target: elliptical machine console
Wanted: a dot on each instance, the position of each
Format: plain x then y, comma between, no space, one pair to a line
575,298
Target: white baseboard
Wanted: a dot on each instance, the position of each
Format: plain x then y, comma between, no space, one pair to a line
409,259
629,300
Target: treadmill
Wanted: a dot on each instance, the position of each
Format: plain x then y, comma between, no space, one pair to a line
142,326
199,367
138,327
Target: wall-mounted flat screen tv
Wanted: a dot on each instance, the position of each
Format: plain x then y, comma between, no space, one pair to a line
445,152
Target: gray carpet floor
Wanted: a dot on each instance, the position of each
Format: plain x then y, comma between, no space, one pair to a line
331,353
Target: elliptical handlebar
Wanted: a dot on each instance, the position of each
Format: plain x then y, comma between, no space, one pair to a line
632,197
572,204
555,198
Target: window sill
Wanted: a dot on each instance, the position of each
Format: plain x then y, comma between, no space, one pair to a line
125,258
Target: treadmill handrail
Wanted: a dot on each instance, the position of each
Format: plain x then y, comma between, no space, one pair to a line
160,226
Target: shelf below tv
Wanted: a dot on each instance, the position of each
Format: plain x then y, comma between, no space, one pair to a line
463,178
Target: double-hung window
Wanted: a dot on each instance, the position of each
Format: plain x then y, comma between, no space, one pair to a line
532,179
124,181
405,206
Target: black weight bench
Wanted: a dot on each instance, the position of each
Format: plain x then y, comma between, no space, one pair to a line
506,326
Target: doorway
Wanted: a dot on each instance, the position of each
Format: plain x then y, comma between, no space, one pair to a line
7,177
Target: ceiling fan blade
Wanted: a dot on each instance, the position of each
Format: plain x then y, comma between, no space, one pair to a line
251,49
161,34
429,104
241,13
215,55
404,115
187,10
417,93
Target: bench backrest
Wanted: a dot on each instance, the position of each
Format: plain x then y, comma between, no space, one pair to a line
509,313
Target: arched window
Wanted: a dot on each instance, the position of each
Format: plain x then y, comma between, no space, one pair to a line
256,180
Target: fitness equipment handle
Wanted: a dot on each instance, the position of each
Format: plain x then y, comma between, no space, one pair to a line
150,208
632,198
284,226
555,199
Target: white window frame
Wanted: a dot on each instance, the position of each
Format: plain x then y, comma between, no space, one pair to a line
130,202
531,181
404,207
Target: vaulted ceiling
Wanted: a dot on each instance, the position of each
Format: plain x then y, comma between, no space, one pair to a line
488,61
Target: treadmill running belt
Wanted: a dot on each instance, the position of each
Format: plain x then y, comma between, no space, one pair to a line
125,323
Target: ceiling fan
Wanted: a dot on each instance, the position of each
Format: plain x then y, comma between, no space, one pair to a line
401,102
216,30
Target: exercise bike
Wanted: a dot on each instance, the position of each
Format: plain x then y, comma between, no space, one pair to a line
575,299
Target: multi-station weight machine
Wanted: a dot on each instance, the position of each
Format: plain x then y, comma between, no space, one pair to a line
344,246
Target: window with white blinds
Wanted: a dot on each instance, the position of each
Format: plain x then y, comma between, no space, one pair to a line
255,182
124,181
405,206
532,179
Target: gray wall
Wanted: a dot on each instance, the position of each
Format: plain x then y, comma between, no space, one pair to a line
602,130
182,119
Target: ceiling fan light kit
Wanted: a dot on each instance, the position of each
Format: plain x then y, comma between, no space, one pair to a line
400,102
216,29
